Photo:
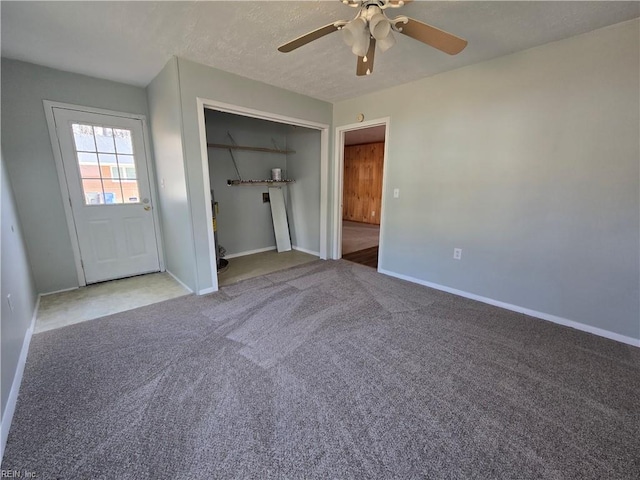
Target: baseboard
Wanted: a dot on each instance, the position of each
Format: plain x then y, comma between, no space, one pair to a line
304,250
206,291
635,342
10,407
178,280
59,291
249,252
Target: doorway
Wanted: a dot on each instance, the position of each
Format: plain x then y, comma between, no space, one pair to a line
361,165
104,172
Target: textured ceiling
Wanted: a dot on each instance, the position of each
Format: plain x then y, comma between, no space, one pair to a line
130,42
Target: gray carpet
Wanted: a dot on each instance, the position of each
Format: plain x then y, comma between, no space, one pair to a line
326,370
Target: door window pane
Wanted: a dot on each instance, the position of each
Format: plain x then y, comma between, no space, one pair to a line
130,192
83,138
104,139
128,173
93,194
88,164
123,141
125,160
107,162
107,178
85,158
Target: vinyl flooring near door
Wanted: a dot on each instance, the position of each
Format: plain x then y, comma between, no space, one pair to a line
107,176
106,298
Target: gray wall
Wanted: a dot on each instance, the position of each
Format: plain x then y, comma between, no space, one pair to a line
209,83
30,162
530,164
173,203
244,222
16,281
304,195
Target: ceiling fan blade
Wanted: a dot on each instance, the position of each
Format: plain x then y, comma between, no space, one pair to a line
309,37
362,67
432,36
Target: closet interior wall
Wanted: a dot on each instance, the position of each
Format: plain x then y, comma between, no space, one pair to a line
244,223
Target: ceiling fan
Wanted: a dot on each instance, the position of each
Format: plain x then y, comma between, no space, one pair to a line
372,27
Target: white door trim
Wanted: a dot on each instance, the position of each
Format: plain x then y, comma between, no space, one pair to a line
203,103
64,187
338,179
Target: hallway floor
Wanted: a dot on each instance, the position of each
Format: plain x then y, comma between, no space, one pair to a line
358,236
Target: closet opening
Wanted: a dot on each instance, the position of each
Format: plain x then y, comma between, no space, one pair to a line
265,186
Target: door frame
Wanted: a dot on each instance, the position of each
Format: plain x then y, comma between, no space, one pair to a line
204,103
338,170
64,187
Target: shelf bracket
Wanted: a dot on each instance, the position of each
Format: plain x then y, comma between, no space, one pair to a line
233,158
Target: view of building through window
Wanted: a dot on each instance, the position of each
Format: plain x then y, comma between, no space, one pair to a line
107,164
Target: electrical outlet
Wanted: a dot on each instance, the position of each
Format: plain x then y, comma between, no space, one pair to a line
396,193
457,253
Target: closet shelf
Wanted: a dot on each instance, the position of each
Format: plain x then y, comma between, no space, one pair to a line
253,149
271,183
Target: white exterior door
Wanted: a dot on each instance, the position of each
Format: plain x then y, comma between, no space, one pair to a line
107,175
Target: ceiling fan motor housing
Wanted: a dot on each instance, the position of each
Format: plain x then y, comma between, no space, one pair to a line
382,4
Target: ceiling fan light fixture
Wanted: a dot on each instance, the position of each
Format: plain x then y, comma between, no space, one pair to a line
353,30
379,26
387,42
361,46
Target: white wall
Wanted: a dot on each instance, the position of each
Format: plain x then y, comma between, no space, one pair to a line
244,221
304,195
173,202
30,162
530,164
199,81
16,281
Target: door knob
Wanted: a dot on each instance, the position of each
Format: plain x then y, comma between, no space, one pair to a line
147,207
